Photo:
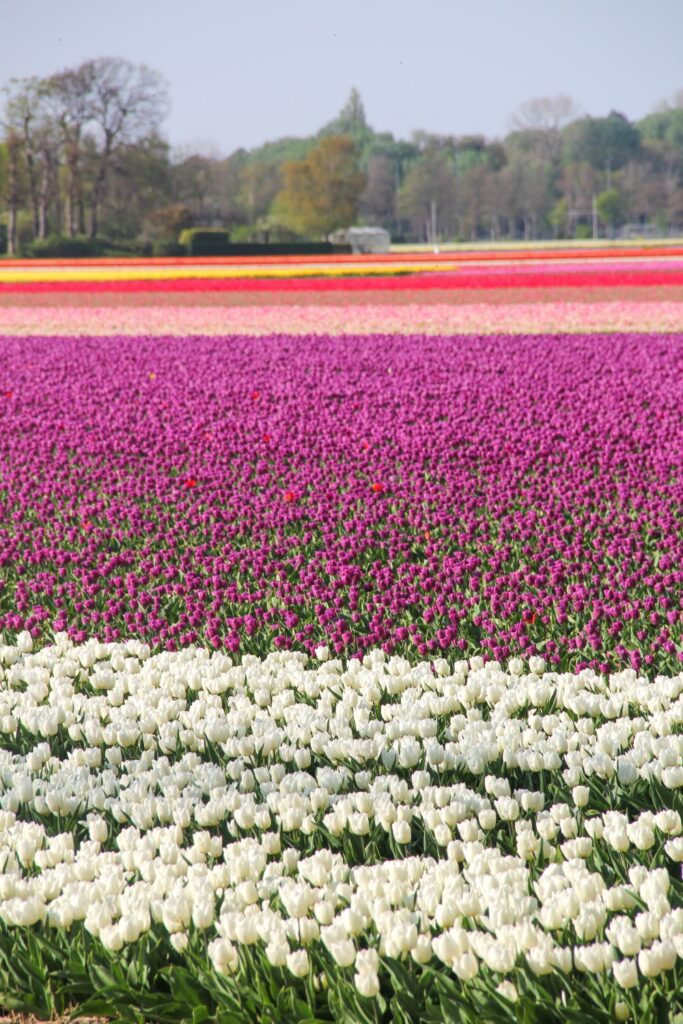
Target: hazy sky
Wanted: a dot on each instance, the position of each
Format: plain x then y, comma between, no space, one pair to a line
241,72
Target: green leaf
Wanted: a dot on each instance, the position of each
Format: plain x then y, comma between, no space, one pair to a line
183,987
103,978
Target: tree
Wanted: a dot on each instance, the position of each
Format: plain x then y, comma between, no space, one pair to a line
428,195
68,95
12,188
126,103
471,196
665,126
529,195
642,190
377,204
259,184
610,208
166,222
350,121
578,183
605,142
546,113
558,218
193,180
540,121
139,182
321,193
21,112
663,162
82,148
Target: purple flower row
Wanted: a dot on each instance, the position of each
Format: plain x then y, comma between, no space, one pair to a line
490,495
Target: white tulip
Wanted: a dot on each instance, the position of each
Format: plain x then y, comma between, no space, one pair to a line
625,973
298,963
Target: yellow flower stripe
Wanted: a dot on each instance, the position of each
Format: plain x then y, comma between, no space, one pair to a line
151,273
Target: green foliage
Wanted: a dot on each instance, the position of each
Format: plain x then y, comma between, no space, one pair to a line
430,184
281,150
166,222
610,207
207,242
666,126
204,241
350,121
322,192
140,184
118,195
59,246
558,217
168,249
3,168
606,143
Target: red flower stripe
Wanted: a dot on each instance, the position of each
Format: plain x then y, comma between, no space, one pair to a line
412,282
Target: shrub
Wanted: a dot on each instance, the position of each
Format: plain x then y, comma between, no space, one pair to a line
204,241
166,222
56,246
168,249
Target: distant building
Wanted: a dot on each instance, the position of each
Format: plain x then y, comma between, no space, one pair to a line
362,239
641,231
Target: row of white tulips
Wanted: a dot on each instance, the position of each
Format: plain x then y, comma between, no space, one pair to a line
473,816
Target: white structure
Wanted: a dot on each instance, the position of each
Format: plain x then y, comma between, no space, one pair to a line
363,239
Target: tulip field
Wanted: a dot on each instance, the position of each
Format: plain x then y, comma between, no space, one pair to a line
341,638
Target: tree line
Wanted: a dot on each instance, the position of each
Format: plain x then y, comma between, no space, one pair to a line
84,167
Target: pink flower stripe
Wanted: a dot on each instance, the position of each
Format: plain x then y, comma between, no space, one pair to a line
439,318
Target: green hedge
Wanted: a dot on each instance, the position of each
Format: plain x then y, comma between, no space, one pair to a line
168,249
59,246
216,242
192,242
284,249
204,241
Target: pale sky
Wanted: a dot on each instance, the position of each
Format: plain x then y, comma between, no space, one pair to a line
241,72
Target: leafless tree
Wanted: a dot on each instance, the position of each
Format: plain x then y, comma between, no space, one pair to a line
69,97
542,119
126,102
546,113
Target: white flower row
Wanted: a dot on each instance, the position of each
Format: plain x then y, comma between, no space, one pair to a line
469,815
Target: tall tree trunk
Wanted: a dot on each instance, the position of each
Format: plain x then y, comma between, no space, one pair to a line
30,160
33,188
93,219
100,186
12,192
69,197
80,209
74,212
11,231
44,192
42,219
97,195
73,207
67,212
